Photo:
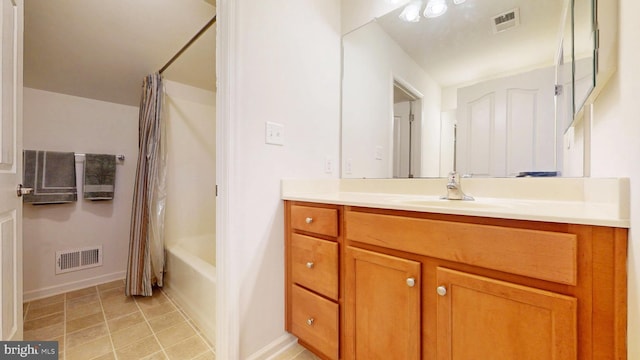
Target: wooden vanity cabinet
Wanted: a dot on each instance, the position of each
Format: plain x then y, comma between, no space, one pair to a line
433,286
482,318
312,285
382,306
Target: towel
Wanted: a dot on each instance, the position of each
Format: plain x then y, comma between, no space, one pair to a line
51,175
99,176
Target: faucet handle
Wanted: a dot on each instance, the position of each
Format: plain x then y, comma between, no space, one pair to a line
454,189
454,177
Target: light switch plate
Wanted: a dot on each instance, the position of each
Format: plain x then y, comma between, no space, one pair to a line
348,166
378,152
274,133
328,165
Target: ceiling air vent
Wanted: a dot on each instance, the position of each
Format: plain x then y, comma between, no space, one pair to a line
505,21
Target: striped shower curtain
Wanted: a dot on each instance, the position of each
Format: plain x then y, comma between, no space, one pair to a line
146,241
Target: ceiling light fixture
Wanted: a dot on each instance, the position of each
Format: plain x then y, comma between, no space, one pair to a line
411,12
435,8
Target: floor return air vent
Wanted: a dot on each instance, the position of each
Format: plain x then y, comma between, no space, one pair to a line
78,259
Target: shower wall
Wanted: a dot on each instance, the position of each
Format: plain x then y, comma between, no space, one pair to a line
191,161
190,213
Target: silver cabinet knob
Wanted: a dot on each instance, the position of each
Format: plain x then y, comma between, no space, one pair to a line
411,282
310,321
310,265
441,290
308,220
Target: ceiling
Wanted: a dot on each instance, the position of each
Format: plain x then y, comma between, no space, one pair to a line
460,46
102,49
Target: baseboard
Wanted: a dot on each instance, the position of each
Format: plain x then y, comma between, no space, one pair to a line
274,348
76,285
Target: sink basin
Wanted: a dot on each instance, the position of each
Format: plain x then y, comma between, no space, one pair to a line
454,203
457,204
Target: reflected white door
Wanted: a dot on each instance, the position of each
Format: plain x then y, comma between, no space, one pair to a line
407,147
401,140
507,125
11,170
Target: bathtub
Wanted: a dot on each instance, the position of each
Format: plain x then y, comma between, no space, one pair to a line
190,280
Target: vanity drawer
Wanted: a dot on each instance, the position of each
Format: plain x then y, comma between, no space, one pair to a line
314,264
315,321
315,219
538,254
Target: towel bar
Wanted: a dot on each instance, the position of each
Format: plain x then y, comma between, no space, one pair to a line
119,157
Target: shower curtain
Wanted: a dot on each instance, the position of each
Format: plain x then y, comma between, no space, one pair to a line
146,240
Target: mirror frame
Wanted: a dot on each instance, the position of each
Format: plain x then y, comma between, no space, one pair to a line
579,104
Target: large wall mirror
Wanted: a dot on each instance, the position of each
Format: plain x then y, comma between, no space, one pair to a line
471,85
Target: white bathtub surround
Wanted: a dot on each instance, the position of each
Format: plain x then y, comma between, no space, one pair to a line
191,283
589,201
191,162
190,226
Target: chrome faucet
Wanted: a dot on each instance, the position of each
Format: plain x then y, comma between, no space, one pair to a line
454,189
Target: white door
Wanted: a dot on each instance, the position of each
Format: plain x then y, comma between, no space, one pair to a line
407,156
507,125
401,139
11,15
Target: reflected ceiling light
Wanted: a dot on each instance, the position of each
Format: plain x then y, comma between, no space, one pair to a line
458,2
435,8
411,12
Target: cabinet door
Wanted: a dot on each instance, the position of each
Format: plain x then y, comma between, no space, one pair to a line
482,318
382,306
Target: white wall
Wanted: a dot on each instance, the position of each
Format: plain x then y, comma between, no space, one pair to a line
191,163
354,13
287,71
60,122
372,60
285,58
615,148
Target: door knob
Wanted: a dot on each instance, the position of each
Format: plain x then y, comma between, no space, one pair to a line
21,190
411,282
441,290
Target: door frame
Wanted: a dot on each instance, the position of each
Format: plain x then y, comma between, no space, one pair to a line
227,282
418,112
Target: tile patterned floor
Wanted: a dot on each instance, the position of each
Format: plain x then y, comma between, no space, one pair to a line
101,323
296,352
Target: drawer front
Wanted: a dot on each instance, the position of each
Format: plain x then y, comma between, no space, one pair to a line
543,255
314,320
314,264
316,220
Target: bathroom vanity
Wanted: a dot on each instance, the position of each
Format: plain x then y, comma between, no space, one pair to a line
381,269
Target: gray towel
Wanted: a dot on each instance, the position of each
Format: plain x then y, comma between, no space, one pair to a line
99,176
51,175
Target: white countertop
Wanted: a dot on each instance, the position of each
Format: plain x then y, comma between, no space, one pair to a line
587,201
